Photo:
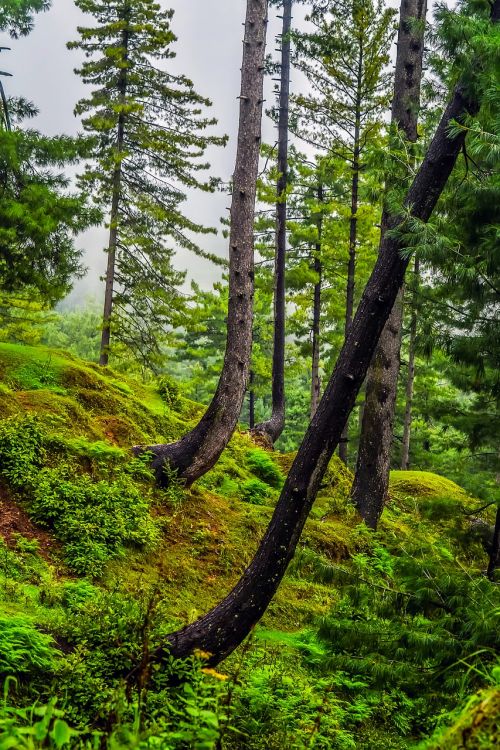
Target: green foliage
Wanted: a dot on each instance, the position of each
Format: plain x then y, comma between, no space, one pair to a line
21,450
93,519
262,465
150,136
255,492
23,649
169,390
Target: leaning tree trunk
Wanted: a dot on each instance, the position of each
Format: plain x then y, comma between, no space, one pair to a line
371,481
275,425
316,322
199,450
114,218
410,380
221,630
353,236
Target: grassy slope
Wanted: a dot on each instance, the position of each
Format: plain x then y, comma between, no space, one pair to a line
209,535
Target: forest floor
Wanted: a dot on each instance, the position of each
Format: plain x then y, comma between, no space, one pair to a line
97,563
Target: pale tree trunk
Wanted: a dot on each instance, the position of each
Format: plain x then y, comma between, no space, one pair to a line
223,629
198,451
353,236
371,481
114,217
276,424
410,380
316,321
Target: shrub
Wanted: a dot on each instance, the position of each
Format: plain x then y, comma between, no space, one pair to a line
93,519
262,465
21,450
254,491
169,390
23,649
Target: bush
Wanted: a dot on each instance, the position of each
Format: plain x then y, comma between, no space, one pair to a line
21,450
93,519
23,649
262,465
169,390
254,491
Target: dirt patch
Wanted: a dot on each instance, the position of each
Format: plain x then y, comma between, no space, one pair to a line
14,521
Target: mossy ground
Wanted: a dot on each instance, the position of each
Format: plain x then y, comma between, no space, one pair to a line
209,534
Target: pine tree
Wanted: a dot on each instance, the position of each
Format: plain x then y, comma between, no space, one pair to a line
16,16
39,216
198,451
345,60
274,426
150,139
371,481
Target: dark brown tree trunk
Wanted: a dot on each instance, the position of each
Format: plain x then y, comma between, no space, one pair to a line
494,561
275,425
114,217
197,452
353,237
410,380
371,481
316,322
221,630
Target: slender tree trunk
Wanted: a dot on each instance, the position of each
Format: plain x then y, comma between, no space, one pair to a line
221,630
316,322
275,425
410,381
251,402
353,237
198,451
371,481
495,549
114,218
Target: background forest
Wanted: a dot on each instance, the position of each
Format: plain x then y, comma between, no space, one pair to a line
263,513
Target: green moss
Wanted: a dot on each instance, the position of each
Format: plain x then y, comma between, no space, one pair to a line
424,484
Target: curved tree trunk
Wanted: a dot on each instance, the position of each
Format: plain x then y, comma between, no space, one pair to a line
410,381
221,630
371,481
198,451
275,425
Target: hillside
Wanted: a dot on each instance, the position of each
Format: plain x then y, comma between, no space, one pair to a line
97,565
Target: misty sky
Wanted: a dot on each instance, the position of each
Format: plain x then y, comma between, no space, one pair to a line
208,51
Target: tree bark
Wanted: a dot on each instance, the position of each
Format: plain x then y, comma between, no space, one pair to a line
316,322
410,381
114,217
371,480
495,549
221,630
275,425
353,237
199,450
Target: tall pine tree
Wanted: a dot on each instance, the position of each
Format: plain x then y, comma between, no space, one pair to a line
151,135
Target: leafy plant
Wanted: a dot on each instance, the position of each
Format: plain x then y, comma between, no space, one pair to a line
262,465
21,450
93,519
254,491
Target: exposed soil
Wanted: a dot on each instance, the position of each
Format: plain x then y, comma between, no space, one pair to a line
14,521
